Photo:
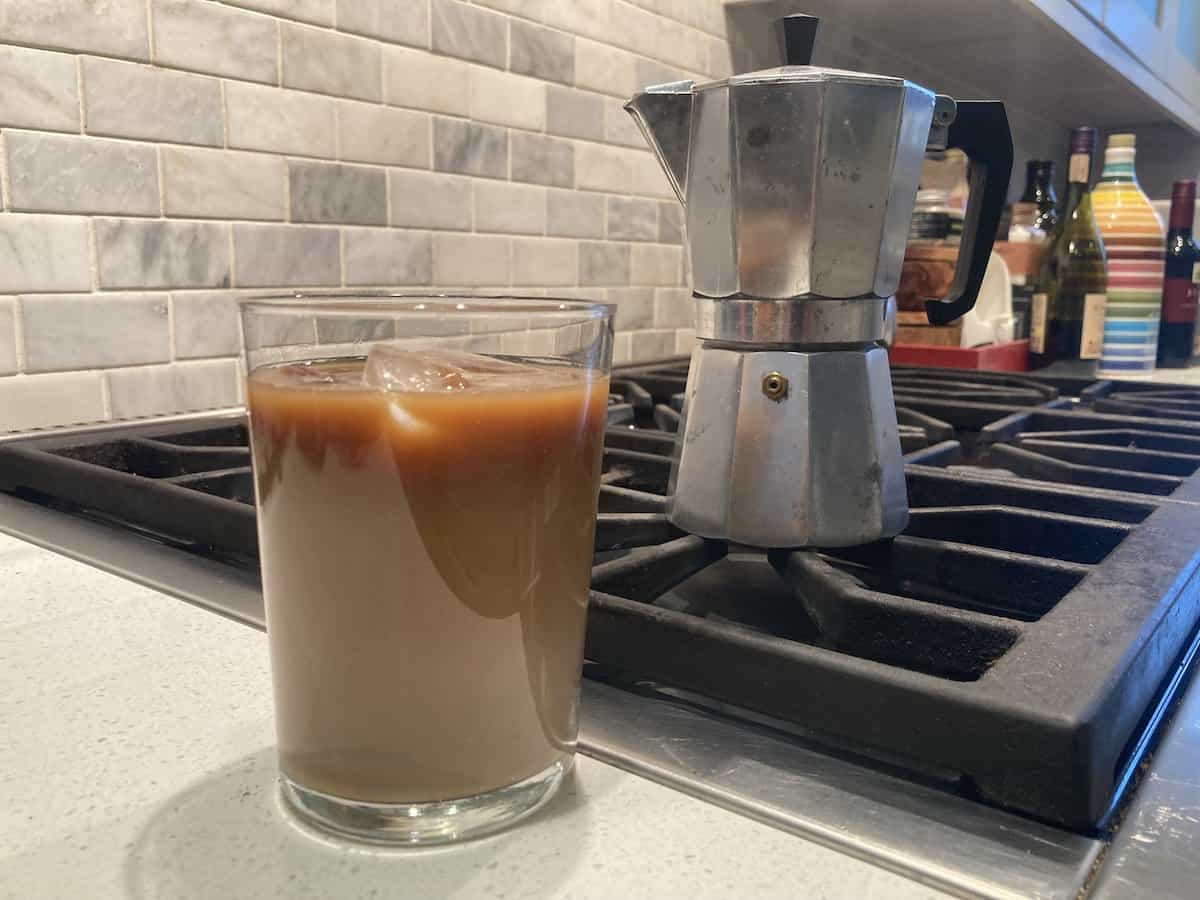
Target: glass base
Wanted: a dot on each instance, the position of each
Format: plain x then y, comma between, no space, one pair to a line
425,824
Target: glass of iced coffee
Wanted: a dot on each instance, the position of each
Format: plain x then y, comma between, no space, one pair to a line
426,472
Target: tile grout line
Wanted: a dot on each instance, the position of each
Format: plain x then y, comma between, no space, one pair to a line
150,34
19,332
79,91
5,187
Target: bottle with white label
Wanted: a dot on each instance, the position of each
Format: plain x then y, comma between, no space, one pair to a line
1066,319
1178,335
1133,242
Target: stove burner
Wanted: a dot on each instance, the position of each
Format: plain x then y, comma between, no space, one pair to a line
1016,635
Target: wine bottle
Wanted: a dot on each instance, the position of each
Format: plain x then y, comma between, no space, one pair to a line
1039,191
1177,335
1067,308
1133,242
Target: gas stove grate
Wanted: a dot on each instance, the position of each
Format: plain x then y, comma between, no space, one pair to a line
1015,636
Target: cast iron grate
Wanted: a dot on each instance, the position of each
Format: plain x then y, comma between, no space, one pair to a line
1015,636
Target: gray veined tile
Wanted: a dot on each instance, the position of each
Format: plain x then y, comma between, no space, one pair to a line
8,335
38,90
112,27
279,121
86,331
330,192
541,52
542,160
400,21
206,324
44,253
222,183
470,148
40,401
61,173
340,64
212,37
670,222
387,257
285,256
131,100
502,206
632,219
574,113
181,387
576,214
379,134
429,200
603,263
156,253
469,32
635,307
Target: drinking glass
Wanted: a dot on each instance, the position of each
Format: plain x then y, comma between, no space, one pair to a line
426,471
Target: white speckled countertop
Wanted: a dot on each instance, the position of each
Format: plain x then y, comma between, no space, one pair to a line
136,761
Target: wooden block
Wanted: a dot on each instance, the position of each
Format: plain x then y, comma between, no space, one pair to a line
927,272
933,335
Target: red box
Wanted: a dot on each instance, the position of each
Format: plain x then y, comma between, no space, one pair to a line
1010,357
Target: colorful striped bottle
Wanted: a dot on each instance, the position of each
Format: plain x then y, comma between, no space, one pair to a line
1133,236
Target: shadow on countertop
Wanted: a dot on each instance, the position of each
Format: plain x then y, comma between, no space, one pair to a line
229,837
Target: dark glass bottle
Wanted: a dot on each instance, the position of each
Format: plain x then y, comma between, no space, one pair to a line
1039,190
1067,309
1177,334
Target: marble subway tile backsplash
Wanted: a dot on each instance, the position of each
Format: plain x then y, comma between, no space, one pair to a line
315,59
504,207
401,23
38,89
574,113
329,192
379,134
92,331
422,81
44,253
376,256
429,200
112,28
206,324
141,253
542,160
162,159
129,100
635,307
262,118
319,12
8,335
217,39
575,214
544,263
470,148
472,260
632,219
286,256
44,401
222,184
603,263
182,387
469,32
541,52
57,173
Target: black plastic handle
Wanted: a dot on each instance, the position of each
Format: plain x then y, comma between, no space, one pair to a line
980,129
796,36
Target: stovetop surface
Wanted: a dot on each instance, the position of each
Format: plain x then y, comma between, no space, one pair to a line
1015,645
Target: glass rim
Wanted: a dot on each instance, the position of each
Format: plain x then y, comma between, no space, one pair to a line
424,304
